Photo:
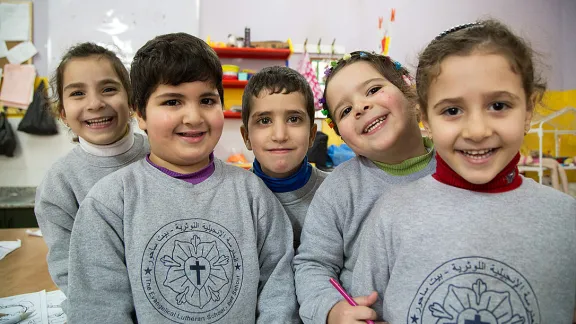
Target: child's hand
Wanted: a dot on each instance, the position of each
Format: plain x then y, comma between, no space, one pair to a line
344,313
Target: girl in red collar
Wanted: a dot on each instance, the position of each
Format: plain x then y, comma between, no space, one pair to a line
475,242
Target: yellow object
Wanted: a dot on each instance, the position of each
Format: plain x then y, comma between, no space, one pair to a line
554,101
230,68
290,45
333,138
232,97
387,45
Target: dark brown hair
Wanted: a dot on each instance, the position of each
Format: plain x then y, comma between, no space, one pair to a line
484,36
276,79
84,50
173,59
389,69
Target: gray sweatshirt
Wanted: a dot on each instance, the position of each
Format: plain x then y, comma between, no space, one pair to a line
63,189
296,202
150,248
458,256
328,242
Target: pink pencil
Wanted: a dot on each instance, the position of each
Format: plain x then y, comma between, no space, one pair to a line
346,296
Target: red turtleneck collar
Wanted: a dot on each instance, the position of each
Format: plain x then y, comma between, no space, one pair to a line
508,179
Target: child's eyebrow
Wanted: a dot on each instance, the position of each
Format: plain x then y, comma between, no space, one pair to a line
448,102
261,113
501,94
74,85
209,95
109,81
296,111
171,95
365,83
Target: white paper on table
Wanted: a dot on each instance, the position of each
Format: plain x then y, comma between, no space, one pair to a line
7,247
53,301
14,22
37,232
3,49
21,52
34,302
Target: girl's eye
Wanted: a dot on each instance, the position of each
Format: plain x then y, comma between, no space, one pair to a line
345,112
76,93
171,102
207,101
498,106
374,90
293,119
109,90
264,121
452,111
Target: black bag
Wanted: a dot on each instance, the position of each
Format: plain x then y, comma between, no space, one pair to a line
318,153
37,120
7,137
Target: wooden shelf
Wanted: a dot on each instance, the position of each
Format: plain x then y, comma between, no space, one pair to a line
252,53
234,84
232,114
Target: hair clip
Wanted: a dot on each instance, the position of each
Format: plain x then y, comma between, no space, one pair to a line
346,56
457,28
325,111
397,65
334,63
322,101
363,55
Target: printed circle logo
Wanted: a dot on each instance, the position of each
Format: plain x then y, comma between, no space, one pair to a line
474,290
192,271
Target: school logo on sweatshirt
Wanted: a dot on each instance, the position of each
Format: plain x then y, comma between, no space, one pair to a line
474,290
192,271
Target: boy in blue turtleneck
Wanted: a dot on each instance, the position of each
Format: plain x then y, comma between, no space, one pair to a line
278,126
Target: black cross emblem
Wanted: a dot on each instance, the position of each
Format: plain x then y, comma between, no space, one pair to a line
198,267
477,320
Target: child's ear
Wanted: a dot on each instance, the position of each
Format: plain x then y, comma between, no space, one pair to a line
244,133
313,131
141,121
63,116
531,105
527,121
426,125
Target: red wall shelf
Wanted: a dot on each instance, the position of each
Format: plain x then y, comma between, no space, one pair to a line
252,53
234,84
232,114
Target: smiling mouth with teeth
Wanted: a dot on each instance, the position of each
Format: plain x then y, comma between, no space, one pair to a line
374,124
191,134
99,121
478,154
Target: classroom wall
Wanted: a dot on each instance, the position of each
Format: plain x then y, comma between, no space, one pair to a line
41,35
568,45
548,24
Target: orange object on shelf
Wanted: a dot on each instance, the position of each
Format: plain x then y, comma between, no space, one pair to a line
237,158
